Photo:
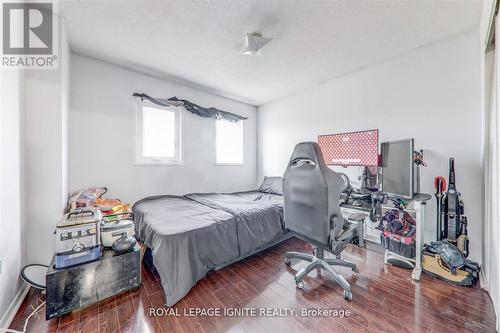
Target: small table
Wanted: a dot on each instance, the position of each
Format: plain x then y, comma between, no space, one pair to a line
77,286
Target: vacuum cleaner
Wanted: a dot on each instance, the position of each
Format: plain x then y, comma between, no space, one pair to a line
446,258
452,208
451,221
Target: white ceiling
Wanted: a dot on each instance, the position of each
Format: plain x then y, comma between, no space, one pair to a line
197,42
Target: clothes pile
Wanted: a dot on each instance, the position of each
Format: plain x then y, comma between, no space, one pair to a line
113,209
91,197
392,223
84,198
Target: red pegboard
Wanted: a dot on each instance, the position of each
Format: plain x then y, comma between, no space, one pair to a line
353,148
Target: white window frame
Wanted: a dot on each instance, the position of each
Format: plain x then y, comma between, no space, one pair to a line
147,160
242,146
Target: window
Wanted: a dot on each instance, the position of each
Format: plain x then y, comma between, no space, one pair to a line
228,142
158,139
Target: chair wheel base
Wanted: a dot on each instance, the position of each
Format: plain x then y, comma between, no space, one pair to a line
347,295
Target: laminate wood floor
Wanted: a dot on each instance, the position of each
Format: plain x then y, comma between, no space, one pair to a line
385,299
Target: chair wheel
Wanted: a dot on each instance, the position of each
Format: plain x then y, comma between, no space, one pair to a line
287,261
347,295
300,285
355,270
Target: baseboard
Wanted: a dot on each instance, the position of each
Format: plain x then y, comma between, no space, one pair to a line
483,283
14,306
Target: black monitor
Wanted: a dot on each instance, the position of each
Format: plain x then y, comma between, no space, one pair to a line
398,169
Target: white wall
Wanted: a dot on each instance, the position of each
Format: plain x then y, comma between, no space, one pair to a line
431,94
45,171
102,142
491,246
12,239
33,170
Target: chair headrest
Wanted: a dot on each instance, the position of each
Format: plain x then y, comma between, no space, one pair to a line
307,152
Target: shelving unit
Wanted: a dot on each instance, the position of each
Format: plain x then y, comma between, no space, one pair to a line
416,209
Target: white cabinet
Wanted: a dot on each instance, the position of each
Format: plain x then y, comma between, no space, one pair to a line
370,232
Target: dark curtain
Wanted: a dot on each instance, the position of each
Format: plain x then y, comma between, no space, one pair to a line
193,108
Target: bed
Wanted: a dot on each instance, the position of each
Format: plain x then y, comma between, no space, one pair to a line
189,236
259,216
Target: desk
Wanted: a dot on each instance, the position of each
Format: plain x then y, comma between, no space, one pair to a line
369,232
416,209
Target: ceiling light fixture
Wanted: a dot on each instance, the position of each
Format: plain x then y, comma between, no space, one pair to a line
254,42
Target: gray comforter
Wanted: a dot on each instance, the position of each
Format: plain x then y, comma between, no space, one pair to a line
259,216
186,240
189,236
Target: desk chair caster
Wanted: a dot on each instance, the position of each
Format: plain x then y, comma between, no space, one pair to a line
288,262
318,261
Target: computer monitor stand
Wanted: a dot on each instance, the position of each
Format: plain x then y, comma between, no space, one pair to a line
369,179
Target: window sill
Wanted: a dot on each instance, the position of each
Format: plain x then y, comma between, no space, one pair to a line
228,164
159,163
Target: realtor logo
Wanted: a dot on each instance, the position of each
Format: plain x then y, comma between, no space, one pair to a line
28,31
27,28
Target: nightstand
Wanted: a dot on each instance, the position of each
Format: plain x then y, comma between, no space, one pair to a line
77,286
